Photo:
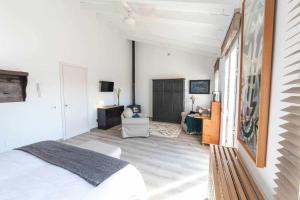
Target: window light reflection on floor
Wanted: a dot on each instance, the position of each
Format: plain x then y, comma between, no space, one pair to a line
198,191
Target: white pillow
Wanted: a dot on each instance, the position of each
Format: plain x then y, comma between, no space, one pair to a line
128,113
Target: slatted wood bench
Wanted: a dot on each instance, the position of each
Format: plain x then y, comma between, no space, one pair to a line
229,177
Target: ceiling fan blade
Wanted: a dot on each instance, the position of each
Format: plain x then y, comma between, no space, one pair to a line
135,9
126,6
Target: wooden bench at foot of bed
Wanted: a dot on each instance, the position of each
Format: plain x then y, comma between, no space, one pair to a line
229,179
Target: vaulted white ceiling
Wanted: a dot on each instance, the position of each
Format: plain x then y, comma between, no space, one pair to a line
198,26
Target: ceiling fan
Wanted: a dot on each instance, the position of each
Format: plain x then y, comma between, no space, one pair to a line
131,15
129,18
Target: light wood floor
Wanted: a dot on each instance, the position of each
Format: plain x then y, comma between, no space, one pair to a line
172,168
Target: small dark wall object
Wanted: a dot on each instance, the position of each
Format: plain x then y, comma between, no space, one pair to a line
12,86
199,86
106,86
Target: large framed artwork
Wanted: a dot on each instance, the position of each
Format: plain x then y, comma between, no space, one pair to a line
199,86
255,77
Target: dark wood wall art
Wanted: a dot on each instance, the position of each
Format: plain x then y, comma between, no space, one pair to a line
255,81
12,86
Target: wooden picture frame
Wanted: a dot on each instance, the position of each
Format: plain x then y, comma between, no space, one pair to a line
255,77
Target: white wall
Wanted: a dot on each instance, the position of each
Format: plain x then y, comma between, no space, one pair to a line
35,36
153,62
265,176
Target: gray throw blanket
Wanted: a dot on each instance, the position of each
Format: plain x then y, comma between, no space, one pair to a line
91,166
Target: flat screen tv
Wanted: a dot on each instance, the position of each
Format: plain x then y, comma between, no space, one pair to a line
106,86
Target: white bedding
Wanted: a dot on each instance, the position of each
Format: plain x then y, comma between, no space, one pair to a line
25,177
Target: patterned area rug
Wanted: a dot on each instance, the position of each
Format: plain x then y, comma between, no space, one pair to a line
163,129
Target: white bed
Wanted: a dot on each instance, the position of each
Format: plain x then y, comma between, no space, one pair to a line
26,177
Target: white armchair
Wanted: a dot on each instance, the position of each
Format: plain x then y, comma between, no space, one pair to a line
134,127
183,125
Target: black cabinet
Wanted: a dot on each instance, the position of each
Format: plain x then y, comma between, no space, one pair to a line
168,100
109,116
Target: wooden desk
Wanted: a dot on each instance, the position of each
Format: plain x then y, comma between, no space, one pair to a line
211,125
201,117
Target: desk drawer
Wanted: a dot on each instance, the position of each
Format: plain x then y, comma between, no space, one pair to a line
206,127
205,139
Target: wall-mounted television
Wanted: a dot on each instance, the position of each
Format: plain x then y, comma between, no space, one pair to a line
106,86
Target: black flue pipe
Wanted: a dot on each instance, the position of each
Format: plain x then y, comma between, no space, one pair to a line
133,72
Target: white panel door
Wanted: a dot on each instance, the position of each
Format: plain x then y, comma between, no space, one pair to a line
74,91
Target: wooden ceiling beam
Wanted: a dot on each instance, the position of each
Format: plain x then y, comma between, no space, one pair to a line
232,32
209,7
212,50
203,29
166,44
199,25
186,34
201,44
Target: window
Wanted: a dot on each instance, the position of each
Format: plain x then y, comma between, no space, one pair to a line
229,101
288,177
